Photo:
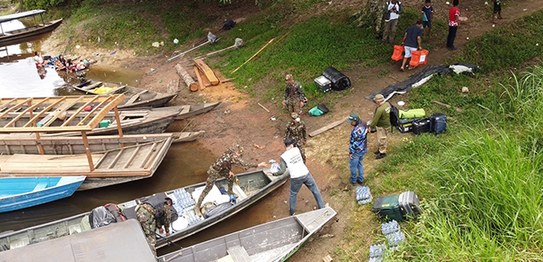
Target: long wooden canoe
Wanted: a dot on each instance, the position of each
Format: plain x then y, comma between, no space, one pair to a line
20,35
252,187
109,167
27,143
135,97
272,241
133,121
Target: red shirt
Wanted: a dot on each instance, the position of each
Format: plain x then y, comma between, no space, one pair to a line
453,16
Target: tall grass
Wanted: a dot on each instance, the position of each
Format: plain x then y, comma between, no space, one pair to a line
489,205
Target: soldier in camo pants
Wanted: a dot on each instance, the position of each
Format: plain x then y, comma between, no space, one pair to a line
294,95
145,213
296,130
223,168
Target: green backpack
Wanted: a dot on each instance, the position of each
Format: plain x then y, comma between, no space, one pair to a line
318,110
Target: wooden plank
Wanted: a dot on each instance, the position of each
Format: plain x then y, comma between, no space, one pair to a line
79,111
148,155
135,97
63,108
87,150
199,78
207,71
29,109
89,115
327,127
16,106
6,105
113,104
45,110
119,154
132,157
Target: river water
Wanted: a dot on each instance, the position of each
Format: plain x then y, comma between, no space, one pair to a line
184,164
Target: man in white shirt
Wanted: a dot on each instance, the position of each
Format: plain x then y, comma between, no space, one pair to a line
392,14
299,174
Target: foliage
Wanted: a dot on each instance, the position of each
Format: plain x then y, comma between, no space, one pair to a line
42,4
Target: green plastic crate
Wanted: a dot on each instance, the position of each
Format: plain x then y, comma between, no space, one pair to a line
104,123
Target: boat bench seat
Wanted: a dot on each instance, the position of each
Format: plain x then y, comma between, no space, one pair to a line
239,254
40,186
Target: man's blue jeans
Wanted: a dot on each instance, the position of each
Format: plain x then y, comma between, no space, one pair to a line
296,185
357,169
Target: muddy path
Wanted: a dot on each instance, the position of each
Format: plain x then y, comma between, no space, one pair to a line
240,120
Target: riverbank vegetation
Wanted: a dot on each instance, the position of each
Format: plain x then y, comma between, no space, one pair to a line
481,182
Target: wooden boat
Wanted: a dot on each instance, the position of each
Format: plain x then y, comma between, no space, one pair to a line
135,97
133,121
22,192
101,168
27,143
253,186
102,244
19,35
272,241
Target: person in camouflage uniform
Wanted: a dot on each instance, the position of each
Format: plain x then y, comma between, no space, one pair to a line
165,216
294,95
223,168
145,213
296,130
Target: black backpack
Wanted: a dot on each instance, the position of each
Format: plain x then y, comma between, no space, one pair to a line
394,117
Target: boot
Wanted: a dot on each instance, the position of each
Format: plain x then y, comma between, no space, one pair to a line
380,155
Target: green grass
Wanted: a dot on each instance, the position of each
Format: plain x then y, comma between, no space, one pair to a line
304,50
480,182
509,46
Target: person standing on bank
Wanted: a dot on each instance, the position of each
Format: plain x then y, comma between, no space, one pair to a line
412,40
392,14
296,130
294,95
454,15
427,15
223,168
497,10
358,146
299,175
381,122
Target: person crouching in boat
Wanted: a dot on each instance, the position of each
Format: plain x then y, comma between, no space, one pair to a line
165,215
223,168
145,214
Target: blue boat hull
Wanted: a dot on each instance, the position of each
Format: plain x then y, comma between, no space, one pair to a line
22,192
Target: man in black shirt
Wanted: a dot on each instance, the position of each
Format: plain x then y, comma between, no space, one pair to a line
411,41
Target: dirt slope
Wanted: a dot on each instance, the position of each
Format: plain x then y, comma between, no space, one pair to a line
239,119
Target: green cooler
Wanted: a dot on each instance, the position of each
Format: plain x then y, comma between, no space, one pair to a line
388,208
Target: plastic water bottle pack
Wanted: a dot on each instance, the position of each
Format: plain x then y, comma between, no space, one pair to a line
363,195
184,198
390,227
377,251
395,239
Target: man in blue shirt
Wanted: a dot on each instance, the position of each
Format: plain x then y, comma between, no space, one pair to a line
357,149
411,41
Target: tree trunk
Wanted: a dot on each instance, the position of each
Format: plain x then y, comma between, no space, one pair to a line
372,15
182,72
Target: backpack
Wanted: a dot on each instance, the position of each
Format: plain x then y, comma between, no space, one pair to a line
394,117
105,215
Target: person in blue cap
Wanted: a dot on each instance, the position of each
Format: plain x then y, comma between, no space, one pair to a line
358,146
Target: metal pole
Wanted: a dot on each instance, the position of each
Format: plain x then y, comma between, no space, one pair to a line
87,150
